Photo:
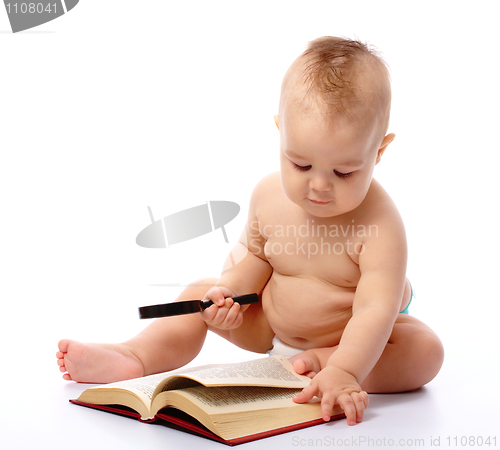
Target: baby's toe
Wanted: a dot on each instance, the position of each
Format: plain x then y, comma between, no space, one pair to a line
299,365
306,363
303,367
63,345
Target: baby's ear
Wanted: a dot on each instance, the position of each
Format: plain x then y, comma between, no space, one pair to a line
277,121
383,146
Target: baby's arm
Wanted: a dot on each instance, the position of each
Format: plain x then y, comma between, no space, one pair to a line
375,309
250,274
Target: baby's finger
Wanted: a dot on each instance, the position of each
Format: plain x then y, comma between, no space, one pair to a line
233,316
220,316
347,404
360,400
307,394
219,319
208,315
327,403
216,295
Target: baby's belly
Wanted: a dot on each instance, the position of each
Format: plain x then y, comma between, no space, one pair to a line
305,312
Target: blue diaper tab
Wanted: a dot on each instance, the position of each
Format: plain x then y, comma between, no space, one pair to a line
407,309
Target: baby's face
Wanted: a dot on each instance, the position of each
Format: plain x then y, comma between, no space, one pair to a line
327,169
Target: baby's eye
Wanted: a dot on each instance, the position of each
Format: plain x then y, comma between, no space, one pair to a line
301,168
342,175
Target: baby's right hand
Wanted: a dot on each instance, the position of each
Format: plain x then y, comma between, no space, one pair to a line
224,314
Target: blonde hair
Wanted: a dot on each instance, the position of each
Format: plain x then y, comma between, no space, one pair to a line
341,76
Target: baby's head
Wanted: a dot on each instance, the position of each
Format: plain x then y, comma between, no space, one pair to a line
340,80
333,118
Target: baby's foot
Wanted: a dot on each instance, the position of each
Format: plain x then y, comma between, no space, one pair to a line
306,363
97,363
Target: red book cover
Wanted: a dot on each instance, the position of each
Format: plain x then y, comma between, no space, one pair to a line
174,418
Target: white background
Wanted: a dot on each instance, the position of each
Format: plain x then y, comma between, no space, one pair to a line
120,105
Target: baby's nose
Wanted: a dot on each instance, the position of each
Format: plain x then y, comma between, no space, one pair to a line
321,182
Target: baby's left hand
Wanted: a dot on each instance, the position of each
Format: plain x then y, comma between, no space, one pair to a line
336,386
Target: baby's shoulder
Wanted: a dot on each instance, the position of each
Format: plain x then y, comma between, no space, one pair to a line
271,181
266,194
379,208
268,186
380,230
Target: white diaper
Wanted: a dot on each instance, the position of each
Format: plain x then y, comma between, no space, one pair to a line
280,348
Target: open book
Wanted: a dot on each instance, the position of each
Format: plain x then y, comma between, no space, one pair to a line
231,403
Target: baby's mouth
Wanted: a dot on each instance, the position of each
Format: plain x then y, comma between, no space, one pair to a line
317,202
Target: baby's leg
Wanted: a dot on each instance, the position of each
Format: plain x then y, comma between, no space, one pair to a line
412,357
166,344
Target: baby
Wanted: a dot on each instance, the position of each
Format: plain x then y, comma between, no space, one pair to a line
324,245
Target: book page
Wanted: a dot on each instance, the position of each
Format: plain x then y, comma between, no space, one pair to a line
234,411
236,396
136,394
270,371
231,399
144,387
